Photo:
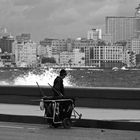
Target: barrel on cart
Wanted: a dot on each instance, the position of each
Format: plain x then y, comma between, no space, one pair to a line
58,112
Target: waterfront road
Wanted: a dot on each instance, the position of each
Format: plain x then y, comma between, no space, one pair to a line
22,131
120,119
87,113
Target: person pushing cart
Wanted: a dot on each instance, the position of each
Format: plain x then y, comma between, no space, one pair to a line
58,109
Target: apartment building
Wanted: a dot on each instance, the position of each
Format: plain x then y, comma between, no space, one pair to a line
42,51
81,44
135,45
104,56
7,60
74,58
78,58
25,54
94,34
24,37
58,46
66,58
130,58
46,42
132,52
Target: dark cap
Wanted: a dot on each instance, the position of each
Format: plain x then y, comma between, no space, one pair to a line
63,72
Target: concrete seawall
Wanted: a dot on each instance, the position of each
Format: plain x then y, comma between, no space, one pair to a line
127,98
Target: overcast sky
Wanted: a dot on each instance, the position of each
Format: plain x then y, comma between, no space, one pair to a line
60,18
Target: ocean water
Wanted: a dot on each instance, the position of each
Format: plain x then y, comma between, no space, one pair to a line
75,78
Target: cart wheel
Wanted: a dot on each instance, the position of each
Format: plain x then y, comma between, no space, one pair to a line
67,123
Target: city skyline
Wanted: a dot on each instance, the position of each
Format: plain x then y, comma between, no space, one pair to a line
60,18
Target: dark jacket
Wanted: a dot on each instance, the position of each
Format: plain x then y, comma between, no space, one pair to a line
58,86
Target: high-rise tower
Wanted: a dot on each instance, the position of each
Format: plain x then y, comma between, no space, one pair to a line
137,15
121,28
124,28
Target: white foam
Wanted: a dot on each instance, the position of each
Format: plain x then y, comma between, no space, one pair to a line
44,78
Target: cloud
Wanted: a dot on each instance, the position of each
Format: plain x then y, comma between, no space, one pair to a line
47,17
26,2
64,17
110,8
127,7
43,10
97,16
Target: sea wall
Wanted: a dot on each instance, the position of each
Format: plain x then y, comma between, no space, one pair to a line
127,98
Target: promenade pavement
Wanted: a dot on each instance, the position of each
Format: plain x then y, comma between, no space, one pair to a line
87,113
95,117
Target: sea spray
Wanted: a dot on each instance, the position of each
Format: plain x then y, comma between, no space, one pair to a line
43,78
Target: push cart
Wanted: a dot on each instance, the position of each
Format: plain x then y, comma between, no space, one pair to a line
59,112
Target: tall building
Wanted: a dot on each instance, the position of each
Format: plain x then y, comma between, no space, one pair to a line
137,15
6,43
123,28
70,44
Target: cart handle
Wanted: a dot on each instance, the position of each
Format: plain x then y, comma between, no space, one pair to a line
59,93
41,92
